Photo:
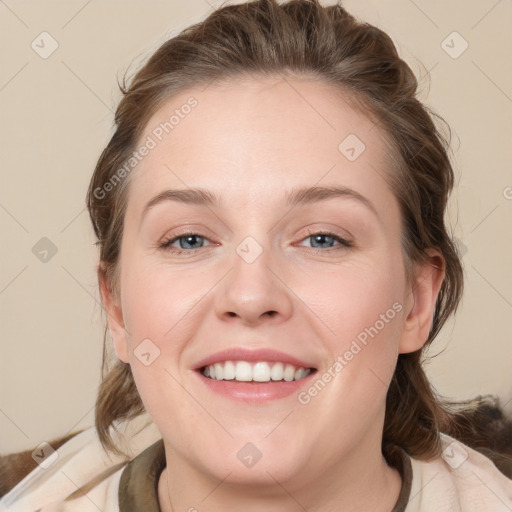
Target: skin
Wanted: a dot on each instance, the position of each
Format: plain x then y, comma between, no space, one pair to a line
251,142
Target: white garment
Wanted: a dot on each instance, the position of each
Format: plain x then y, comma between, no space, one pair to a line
79,461
454,483
462,480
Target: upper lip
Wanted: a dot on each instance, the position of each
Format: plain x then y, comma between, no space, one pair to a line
244,354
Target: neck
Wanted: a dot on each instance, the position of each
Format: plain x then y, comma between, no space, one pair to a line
360,482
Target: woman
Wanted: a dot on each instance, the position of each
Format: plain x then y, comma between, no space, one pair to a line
273,262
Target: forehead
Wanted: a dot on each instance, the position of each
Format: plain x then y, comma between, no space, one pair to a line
254,136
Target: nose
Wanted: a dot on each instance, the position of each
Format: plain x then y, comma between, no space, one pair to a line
254,292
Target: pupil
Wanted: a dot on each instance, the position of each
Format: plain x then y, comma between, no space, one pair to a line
189,240
321,239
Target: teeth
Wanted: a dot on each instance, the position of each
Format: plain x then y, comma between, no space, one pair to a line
229,371
289,373
218,371
261,371
300,373
277,371
243,371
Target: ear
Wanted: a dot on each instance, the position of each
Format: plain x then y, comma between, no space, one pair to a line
423,295
114,313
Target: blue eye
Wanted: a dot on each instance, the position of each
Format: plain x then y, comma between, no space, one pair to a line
327,240
188,241
321,239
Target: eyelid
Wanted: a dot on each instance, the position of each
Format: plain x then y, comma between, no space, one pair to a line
165,242
343,241
326,229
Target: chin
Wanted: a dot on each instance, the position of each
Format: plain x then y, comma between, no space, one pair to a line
261,475
257,464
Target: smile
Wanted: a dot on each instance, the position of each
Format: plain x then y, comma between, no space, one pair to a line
261,371
254,375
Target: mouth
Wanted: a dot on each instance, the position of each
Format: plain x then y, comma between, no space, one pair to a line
259,371
254,376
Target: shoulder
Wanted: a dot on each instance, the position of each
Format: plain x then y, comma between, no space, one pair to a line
15,466
461,480
75,471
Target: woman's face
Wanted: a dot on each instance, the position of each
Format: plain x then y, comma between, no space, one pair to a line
294,262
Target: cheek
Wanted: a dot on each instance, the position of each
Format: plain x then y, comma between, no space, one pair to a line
158,306
352,298
157,301
363,310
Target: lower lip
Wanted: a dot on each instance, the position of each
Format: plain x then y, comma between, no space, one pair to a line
255,391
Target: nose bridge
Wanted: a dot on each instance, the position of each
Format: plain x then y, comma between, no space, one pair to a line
252,292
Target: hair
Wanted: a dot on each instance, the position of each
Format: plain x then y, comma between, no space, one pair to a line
301,38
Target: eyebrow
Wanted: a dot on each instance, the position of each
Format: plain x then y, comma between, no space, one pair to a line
306,195
297,196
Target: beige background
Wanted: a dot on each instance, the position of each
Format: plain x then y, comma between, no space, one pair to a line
57,116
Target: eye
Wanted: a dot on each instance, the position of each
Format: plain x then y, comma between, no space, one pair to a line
187,242
327,240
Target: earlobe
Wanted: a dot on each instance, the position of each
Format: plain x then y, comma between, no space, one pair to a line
114,315
423,296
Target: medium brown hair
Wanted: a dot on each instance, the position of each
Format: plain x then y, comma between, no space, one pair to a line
300,38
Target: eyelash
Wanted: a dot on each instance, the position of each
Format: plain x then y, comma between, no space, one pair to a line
166,244
343,242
